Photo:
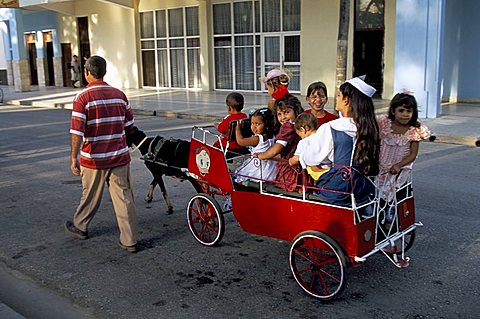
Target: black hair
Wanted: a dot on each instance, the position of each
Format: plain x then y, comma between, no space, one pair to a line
407,101
289,101
306,120
268,118
235,100
315,87
97,66
367,146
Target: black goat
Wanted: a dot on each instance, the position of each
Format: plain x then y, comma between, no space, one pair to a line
162,157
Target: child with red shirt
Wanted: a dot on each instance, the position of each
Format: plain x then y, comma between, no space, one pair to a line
235,104
317,98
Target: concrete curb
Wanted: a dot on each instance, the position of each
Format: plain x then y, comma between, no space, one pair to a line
460,140
446,139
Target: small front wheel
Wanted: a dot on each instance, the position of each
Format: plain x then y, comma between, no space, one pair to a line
205,219
318,265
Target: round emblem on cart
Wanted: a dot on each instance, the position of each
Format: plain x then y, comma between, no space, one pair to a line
202,158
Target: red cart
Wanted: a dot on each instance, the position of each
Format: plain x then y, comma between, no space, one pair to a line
325,239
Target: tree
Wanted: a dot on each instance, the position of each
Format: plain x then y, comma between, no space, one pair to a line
342,44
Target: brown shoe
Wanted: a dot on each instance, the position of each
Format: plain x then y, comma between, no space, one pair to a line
80,234
131,249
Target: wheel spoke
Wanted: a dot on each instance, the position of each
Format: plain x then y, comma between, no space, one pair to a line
324,283
326,273
303,256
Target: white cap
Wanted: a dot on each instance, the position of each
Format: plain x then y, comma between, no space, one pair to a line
363,87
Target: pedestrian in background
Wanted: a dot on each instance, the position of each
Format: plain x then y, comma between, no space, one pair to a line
75,71
101,115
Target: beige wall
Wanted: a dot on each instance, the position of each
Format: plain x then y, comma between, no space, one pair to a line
389,49
318,43
112,36
67,31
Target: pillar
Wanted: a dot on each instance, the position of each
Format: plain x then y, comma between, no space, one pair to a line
20,66
418,48
41,63
206,65
7,47
57,59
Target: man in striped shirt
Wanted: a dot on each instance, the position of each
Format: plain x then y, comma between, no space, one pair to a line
101,115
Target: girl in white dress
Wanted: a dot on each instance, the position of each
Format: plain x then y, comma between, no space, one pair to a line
262,125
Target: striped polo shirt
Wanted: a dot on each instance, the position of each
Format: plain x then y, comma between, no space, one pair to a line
101,114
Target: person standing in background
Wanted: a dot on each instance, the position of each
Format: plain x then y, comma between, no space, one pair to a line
75,71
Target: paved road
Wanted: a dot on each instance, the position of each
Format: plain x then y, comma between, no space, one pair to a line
246,276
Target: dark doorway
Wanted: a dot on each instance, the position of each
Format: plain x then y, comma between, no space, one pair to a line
66,59
50,79
32,61
83,44
32,57
368,42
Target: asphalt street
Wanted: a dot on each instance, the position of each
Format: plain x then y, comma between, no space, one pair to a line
247,276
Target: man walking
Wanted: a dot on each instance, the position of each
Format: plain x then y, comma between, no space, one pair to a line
101,115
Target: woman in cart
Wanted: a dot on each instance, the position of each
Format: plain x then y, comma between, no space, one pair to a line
352,140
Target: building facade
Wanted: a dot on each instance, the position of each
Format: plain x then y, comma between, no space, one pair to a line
426,46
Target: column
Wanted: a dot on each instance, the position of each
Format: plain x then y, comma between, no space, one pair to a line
57,59
206,64
418,48
20,66
7,48
41,63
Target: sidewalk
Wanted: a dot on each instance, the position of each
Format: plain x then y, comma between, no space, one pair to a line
458,124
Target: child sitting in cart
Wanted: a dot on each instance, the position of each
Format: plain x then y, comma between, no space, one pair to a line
262,125
306,125
400,134
351,143
287,109
317,98
235,104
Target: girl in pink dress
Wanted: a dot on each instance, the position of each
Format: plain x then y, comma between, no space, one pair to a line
400,134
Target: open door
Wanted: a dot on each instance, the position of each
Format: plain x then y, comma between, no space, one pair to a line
32,57
66,59
83,44
369,42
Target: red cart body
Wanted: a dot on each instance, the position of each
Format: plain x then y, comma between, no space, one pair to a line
325,238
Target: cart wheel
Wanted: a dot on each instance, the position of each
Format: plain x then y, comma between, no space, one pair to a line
318,265
205,219
408,240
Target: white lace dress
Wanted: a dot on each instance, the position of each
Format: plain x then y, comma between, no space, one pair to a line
255,169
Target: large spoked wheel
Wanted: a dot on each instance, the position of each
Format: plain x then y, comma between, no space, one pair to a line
318,265
205,219
408,240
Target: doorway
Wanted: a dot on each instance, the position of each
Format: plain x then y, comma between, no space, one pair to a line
50,72
32,57
83,44
368,42
66,59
